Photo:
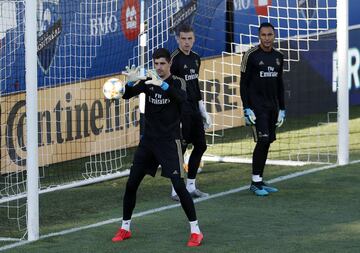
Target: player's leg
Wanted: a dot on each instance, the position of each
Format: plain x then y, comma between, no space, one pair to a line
261,137
129,201
171,164
272,137
188,206
185,130
137,173
198,140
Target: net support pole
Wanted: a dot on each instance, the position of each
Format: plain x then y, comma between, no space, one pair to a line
31,120
342,35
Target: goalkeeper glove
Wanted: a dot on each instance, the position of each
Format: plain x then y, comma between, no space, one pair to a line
156,80
281,118
249,116
133,74
206,117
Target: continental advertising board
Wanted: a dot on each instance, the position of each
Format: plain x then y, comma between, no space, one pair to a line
74,121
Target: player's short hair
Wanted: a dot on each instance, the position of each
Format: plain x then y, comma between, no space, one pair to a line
184,28
161,53
266,24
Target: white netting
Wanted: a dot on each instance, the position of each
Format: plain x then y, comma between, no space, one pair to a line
296,22
10,24
83,137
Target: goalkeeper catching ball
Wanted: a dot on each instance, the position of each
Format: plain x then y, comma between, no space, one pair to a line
160,143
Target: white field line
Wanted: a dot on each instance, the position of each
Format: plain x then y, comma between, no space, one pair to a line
163,208
232,159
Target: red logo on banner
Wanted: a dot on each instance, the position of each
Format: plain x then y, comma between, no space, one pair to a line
130,19
261,7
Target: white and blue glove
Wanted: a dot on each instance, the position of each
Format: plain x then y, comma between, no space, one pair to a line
133,75
281,118
206,117
156,80
249,116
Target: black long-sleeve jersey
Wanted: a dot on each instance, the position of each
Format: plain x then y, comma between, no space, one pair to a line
261,83
162,107
187,67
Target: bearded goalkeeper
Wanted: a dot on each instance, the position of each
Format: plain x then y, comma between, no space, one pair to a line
262,94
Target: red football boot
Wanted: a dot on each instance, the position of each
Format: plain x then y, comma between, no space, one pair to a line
121,235
195,240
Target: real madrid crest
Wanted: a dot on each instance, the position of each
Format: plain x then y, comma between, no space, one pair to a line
278,61
197,63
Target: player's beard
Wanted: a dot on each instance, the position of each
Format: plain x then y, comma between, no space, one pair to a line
267,45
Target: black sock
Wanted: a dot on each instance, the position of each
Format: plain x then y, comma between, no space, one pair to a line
257,183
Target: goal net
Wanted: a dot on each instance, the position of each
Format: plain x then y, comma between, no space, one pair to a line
305,32
84,138
302,30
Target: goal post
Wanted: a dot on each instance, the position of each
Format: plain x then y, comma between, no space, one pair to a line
32,166
343,90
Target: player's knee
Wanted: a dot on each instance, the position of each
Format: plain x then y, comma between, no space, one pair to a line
132,185
200,148
178,184
263,141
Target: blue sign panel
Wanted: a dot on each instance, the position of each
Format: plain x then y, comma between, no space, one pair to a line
77,40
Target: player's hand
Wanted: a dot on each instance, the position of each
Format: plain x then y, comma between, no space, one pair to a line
133,74
281,118
206,117
250,117
156,79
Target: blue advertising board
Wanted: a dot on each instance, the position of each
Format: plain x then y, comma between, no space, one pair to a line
77,40
80,40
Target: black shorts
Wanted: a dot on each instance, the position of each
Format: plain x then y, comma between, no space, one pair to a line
192,128
152,152
265,126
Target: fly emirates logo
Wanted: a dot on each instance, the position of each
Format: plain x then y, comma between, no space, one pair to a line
193,75
158,100
270,73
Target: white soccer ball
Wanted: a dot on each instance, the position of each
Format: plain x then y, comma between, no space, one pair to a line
113,88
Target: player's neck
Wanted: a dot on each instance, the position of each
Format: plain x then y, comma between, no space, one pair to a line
166,77
265,49
187,52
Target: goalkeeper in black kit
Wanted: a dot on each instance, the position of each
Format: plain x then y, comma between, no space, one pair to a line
160,143
262,94
195,119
